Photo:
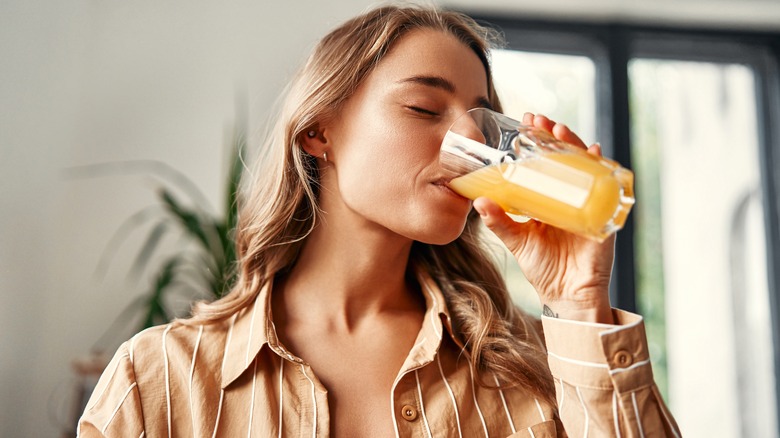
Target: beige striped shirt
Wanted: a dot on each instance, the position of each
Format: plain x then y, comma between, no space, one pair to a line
234,379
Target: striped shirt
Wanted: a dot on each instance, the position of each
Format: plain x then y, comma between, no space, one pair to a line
234,378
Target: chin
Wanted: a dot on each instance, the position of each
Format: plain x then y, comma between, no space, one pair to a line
442,232
439,241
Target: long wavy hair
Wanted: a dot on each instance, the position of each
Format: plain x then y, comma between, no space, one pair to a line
280,205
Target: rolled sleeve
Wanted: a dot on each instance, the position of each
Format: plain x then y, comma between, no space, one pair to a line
604,380
599,355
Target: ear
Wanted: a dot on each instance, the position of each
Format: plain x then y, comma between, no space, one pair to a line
314,141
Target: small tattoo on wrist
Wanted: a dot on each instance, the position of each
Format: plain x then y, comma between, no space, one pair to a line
547,311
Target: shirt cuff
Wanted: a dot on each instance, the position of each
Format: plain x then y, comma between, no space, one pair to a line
601,356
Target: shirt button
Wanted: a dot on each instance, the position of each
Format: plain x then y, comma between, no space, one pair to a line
409,413
623,359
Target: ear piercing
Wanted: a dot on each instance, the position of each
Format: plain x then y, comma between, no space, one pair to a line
313,133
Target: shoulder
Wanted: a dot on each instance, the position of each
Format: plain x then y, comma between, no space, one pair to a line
148,369
157,350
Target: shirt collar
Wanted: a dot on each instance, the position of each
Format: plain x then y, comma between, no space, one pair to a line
436,319
247,333
252,328
436,304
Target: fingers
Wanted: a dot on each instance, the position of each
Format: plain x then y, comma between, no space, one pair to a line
558,130
497,221
595,149
562,132
543,122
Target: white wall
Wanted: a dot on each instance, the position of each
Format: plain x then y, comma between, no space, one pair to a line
91,81
105,81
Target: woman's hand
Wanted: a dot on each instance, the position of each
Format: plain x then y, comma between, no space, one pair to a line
570,273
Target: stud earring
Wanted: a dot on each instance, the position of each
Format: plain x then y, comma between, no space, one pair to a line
312,133
325,156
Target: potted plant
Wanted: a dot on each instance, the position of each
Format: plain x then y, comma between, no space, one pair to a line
200,266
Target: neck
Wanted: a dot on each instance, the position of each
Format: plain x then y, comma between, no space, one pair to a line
348,272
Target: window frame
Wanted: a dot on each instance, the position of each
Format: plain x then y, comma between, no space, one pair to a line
612,45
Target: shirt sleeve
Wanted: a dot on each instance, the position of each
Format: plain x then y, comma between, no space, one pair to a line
114,409
603,378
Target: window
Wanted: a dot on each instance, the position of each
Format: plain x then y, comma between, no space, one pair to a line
700,239
695,114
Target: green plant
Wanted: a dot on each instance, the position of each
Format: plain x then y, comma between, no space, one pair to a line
201,265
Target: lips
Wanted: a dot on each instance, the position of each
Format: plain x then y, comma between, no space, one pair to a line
442,184
441,181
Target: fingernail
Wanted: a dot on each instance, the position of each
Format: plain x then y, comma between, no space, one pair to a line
480,211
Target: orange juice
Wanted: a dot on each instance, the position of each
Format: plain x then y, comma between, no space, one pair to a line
581,193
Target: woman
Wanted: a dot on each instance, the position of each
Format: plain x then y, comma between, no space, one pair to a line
365,304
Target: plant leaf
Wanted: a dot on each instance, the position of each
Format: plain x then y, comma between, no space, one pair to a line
145,254
227,229
107,338
156,313
130,167
187,218
120,235
234,180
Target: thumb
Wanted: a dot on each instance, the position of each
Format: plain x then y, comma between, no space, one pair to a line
496,220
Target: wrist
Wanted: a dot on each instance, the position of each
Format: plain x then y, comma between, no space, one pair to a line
588,312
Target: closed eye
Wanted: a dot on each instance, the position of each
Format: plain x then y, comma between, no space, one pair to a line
423,111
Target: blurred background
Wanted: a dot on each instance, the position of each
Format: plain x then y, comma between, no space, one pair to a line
685,92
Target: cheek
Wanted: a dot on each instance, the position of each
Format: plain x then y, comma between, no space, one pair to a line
376,180
385,157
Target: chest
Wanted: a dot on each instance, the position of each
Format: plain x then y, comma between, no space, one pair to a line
358,375
359,407
277,396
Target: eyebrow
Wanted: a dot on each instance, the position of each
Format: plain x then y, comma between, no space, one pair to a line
443,84
431,81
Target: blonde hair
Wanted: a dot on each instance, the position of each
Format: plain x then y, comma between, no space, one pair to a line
280,208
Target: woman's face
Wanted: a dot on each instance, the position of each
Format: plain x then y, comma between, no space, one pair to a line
383,146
